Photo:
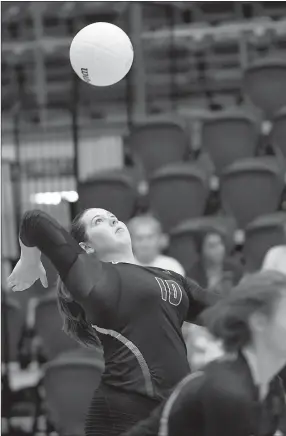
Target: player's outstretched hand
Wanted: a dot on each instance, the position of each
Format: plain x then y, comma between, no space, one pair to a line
25,274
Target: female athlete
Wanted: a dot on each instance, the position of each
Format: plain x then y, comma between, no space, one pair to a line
136,313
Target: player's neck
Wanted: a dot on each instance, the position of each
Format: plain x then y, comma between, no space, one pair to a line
147,261
119,257
264,366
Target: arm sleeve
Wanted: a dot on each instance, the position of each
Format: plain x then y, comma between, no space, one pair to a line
81,273
199,299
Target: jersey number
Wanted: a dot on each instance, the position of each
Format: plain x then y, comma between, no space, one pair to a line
170,290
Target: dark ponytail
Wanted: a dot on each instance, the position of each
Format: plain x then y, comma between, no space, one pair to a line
228,319
75,324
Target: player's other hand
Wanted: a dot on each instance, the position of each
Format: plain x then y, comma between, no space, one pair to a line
25,274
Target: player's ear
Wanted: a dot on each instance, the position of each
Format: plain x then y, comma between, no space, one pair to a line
164,241
86,247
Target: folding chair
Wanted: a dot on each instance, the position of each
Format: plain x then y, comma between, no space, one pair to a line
112,191
12,325
228,137
264,83
278,132
260,235
178,192
48,327
69,386
250,188
19,387
158,143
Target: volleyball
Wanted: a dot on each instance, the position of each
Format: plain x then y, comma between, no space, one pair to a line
101,54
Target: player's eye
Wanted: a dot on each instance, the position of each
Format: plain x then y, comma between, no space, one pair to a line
98,221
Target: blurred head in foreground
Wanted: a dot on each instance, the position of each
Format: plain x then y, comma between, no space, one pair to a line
253,316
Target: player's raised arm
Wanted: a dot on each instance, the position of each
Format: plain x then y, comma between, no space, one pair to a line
77,270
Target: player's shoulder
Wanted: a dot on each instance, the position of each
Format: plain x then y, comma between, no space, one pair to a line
188,388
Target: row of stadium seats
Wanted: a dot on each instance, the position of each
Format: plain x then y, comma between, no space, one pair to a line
259,236
210,64
61,21
43,321
177,192
226,137
71,372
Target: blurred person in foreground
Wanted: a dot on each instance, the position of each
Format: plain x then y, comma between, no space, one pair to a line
148,242
136,313
275,258
214,270
239,394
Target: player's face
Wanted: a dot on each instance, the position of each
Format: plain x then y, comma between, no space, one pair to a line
145,242
104,232
274,331
213,248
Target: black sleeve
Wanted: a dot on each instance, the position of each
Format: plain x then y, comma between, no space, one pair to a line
199,300
80,272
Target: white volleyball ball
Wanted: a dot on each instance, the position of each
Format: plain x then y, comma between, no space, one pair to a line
101,54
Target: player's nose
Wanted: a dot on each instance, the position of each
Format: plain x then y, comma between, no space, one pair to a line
113,222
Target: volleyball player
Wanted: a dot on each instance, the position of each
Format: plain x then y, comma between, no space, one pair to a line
135,312
240,394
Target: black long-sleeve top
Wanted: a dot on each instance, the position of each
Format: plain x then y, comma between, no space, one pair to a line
138,312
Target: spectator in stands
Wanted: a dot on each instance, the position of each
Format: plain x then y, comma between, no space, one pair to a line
149,241
213,269
219,274
275,258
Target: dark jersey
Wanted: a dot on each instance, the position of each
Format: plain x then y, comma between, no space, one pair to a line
220,400
138,312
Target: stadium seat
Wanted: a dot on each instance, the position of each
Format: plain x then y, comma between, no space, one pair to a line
112,191
228,137
264,83
13,330
178,192
278,132
183,244
48,326
69,386
250,188
260,235
158,143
